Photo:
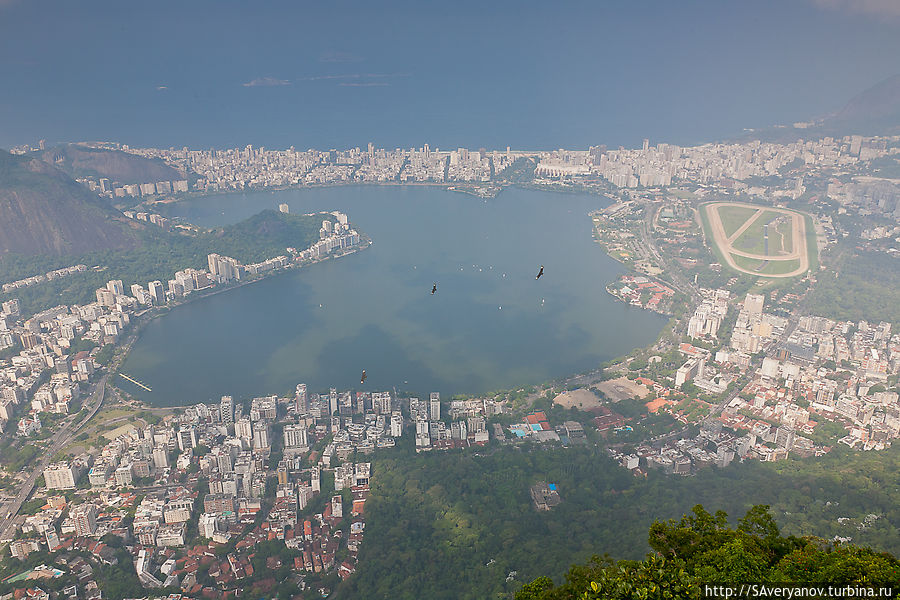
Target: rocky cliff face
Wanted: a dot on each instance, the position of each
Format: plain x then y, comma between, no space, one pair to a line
77,161
43,211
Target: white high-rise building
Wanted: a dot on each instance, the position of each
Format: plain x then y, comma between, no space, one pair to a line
315,479
295,436
212,261
187,438
396,425
85,519
223,461
243,428
207,525
61,476
222,268
160,457
142,296
11,307
124,476
116,287
226,410
381,403
106,297
434,406
304,495
753,303
301,400
260,435
157,292
332,402
186,280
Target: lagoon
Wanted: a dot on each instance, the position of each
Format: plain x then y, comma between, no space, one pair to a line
491,325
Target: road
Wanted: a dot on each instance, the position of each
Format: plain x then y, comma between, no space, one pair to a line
58,441
770,350
678,281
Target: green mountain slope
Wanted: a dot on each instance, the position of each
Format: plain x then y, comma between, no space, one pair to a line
157,254
43,211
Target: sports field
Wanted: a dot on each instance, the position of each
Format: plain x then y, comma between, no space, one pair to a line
734,216
758,240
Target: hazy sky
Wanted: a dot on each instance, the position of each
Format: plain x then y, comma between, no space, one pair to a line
337,74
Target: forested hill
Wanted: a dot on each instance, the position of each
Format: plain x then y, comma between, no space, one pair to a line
462,526
701,550
157,255
255,238
43,211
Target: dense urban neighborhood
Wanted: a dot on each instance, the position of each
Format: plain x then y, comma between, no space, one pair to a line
266,496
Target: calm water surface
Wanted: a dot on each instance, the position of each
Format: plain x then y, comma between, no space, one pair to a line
491,324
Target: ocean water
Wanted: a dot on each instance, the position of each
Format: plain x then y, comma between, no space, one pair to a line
398,73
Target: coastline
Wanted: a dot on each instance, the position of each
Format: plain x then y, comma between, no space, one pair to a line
470,189
187,196
144,318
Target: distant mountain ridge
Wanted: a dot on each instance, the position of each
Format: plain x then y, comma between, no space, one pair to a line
43,211
873,111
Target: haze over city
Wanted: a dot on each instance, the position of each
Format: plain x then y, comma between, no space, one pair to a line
342,74
405,300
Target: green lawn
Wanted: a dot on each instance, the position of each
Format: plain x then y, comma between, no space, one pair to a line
812,249
781,237
772,267
90,434
733,217
753,241
751,264
779,267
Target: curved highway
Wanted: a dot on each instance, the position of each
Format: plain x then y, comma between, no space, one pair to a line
59,440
